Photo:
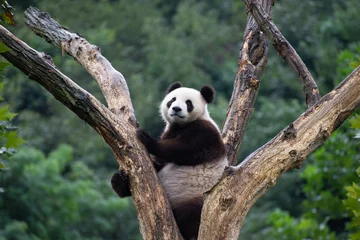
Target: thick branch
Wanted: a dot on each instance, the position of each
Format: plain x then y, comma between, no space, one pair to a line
231,199
286,51
111,82
155,216
241,104
39,67
251,65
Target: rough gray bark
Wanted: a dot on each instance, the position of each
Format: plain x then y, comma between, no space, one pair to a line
154,213
111,82
286,51
251,66
227,204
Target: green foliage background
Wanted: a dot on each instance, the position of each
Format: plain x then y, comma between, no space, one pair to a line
58,187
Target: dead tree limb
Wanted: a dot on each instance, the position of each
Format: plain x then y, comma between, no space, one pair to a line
227,204
154,213
286,51
230,200
251,65
112,83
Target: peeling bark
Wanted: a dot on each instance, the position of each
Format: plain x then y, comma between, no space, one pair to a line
154,212
286,51
230,200
227,204
251,65
111,82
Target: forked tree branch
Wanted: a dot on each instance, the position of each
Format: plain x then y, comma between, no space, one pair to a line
285,50
227,204
251,65
154,212
230,200
112,83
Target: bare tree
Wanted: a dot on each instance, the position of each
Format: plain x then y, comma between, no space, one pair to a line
227,204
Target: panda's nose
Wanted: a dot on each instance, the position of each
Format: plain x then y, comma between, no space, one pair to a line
176,109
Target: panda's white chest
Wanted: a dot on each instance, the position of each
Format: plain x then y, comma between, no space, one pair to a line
182,183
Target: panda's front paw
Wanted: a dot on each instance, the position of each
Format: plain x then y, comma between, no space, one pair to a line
146,139
120,184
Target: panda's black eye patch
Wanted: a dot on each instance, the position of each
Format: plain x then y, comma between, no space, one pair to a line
170,102
189,105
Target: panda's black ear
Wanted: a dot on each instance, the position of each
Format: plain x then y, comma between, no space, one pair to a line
174,86
208,93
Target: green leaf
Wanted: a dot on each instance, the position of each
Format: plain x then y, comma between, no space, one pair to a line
4,48
2,166
354,64
355,122
13,140
4,65
5,114
355,236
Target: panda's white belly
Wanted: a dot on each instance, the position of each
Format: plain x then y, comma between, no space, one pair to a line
182,183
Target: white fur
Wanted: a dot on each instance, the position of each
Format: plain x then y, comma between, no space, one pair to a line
182,183
182,94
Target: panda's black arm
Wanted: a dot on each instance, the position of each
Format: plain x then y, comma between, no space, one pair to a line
192,147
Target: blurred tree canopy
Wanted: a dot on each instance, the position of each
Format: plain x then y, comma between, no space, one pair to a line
52,187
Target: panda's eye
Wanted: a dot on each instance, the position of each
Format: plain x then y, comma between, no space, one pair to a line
170,102
189,105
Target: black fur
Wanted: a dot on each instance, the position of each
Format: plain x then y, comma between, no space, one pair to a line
174,86
189,105
208,93
190,144
188,217
170,102
120,184
187,144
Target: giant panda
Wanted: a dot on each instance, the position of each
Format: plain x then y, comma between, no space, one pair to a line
189,156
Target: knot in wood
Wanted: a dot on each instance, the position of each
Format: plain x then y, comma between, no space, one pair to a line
228,171
254,83
226,202
44,15
341,118
289,133
293,153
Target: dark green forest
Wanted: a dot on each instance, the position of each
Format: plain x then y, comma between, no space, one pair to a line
57,184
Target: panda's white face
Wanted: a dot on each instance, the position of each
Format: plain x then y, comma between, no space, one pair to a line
183,105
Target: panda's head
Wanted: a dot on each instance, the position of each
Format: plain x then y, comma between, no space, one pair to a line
183,105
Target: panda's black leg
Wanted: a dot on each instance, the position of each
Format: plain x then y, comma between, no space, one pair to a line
120,184
188,216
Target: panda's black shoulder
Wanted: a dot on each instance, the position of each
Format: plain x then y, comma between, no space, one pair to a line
202,134
198,127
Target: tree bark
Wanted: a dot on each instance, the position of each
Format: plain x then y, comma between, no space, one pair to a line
251,66
153,210
111,82
286,51
227,204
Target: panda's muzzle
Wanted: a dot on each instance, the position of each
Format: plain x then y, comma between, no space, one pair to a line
177,115
176,112
176,109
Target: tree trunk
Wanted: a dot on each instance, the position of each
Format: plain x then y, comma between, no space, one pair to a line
227,204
